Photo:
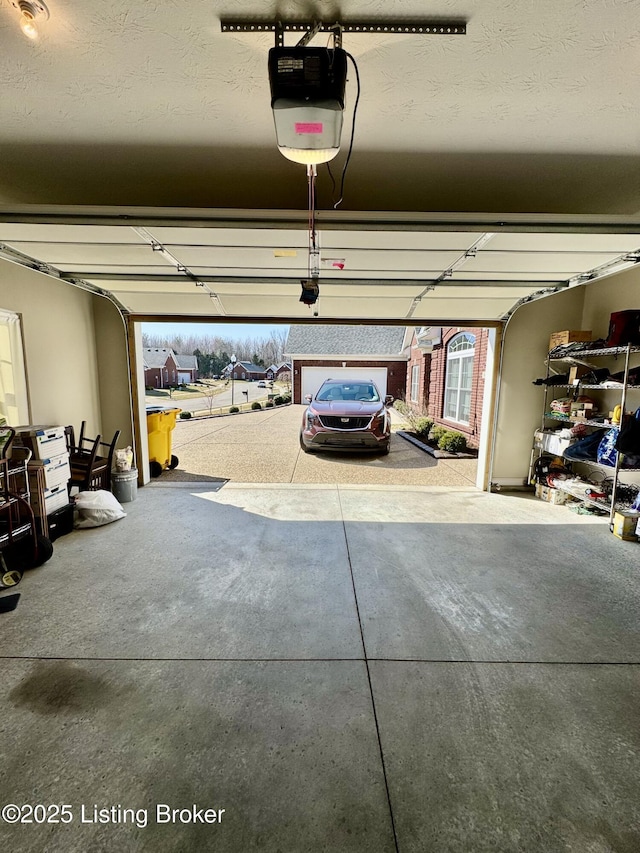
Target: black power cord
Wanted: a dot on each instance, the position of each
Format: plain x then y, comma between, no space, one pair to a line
353,130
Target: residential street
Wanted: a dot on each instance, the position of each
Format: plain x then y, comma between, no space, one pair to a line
222,400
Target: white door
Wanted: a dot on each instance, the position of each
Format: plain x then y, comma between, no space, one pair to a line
313,377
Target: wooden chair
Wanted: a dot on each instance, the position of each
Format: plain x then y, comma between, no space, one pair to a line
90,460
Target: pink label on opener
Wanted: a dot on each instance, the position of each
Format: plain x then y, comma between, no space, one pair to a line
308,127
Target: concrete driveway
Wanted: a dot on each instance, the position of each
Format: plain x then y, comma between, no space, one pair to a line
263,447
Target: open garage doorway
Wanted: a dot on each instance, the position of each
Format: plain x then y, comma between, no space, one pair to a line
241,412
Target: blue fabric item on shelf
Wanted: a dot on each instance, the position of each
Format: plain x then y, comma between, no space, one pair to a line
607,452
584,450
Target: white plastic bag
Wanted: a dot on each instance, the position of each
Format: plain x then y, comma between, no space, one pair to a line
124,459
97,508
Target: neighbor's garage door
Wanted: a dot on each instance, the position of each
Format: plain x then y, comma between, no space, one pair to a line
313,377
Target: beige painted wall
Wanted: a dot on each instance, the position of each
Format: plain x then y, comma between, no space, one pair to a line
617,293
525,347
75,352
60,356
113,371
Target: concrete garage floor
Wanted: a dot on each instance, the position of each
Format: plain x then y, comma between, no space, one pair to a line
338,667
263,447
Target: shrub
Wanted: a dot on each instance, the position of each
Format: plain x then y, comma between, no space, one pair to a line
279,400
185,415
269,404
286,398
256,405
401,407
437,432
422,426
452,442
233,410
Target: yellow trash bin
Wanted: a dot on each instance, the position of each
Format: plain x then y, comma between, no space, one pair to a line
160,424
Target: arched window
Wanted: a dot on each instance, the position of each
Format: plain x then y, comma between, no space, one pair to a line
459,378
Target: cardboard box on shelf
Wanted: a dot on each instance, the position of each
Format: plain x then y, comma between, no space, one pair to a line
552,496
582,410
577,371
568,337
44,442
624,525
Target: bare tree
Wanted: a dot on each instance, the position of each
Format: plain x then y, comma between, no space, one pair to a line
269,349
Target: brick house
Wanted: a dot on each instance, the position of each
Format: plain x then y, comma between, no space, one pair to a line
164,369
445,376
246,370
327,352
187,368
160,367
276,371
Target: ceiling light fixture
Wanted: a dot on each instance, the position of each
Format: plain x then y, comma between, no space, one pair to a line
30,11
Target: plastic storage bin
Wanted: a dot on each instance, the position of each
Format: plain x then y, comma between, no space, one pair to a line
160,425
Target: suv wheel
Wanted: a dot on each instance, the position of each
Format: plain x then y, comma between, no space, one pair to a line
303,445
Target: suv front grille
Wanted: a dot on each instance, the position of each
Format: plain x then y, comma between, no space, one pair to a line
336,422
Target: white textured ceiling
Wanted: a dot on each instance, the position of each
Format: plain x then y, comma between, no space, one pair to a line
149,103
533,112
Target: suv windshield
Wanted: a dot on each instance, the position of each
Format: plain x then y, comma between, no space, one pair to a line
362,391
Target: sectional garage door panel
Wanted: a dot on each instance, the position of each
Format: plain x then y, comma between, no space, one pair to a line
313,377
374,267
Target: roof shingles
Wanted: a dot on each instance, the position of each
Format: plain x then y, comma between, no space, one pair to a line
336,341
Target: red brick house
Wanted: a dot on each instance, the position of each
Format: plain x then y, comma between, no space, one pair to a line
160,367
278,371
246,370
163,368
445,376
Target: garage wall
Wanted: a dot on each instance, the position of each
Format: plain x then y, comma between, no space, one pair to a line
525,347
60,353
114,386
526,342
618,293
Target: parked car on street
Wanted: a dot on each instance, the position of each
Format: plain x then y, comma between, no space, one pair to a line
346,415
262,384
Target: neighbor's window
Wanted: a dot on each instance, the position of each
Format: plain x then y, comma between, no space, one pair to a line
415,383
459,376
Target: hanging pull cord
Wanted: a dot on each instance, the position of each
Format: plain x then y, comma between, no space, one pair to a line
314,248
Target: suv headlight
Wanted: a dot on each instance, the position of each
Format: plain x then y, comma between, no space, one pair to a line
312,419
380,419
